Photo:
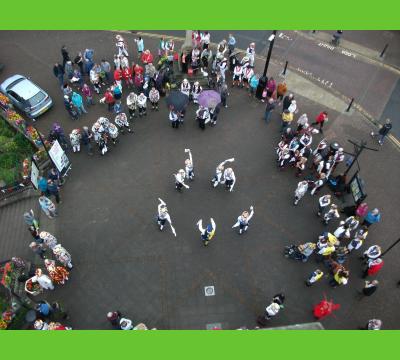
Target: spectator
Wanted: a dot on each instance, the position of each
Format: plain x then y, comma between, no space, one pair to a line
77,101
372,217
58,71
383,131
269,109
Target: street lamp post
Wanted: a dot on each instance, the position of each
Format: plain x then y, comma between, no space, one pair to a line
390,247
262,82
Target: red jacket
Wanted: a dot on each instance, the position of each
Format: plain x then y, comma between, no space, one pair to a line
127,73
117,75
321,118
374,268
147,58
109,97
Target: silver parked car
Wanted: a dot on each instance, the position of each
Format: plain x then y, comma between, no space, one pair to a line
26,95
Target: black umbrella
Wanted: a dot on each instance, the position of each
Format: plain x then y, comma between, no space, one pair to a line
177,100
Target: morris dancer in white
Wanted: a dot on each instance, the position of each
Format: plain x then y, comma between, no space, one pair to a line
301,190
189,166
185,87
180,180
121,45
219,171
122,122
229,179
163,216
243,220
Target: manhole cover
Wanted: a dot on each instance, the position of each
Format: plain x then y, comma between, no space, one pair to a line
209,291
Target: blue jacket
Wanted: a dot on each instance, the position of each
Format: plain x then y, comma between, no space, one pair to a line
76,99
42,185
372,219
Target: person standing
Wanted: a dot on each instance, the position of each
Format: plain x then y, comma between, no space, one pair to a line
251,53
87,137
272,310
224,94
206,233
269,110
383,131
287,100
75,138
131,102
54,190
58,71
373,217
281,90
87,93
231,43
69,69
109,99
323,202
37,248
142,104
65,55
63,256
48,207
43,280
373,267
154,97
79,61
331,214
125,324
114,317
140,46
300,191
174,118
373,324
287,118
369,288
106,68
42,186
77,101
243,221
163,216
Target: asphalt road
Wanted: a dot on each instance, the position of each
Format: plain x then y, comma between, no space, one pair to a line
122,261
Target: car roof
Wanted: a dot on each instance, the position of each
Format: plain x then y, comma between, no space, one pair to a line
24,88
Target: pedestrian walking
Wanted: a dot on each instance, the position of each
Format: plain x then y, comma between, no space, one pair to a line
58,71
272,309
75,138
383,131
369,288
62,255
87,93
373,217
131,102
114,317
218,177
48,207
189,172
269,109
300,191
180,180
142,104
243,221
154,97
208,232
37,248
54,190
30,220
163,216
321,119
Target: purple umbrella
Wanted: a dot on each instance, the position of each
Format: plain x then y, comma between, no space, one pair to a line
209,98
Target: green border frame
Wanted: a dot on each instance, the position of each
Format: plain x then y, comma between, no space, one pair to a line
261,14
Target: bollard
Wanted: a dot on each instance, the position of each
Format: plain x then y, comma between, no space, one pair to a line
384,50
351,103
284,70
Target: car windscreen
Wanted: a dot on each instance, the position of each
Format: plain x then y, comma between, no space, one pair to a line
36,99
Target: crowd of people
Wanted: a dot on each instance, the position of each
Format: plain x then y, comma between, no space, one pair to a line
315,162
